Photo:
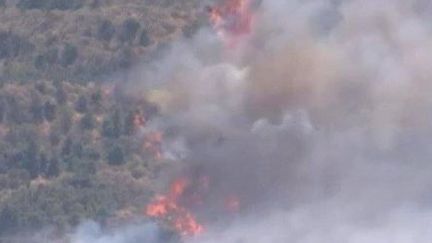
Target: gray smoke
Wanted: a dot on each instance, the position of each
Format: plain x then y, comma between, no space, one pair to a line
92,232
320,122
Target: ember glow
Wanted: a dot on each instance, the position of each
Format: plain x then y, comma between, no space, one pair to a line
231,20
167,208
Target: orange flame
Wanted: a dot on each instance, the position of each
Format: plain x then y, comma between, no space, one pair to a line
170,208
167,208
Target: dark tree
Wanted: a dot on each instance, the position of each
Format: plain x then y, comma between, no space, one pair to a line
37,112
53,169
116,156
96,98
144,39
49,110
81,105
88,121
2,110
61,95
12,45
105,30
128,30
69,55
67,147
129,123
109,129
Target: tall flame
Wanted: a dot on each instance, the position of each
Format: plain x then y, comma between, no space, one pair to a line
168,209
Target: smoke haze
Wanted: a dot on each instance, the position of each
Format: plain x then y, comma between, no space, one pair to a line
319,121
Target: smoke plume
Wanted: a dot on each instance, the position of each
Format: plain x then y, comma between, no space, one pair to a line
318,121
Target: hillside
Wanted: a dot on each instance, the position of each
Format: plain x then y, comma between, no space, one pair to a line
78,40
70,145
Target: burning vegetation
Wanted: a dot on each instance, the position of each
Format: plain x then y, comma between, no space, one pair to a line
168,208
187,196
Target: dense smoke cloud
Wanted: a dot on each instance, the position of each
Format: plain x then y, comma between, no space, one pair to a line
319,121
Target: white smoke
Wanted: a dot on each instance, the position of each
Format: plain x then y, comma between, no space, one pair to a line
320,121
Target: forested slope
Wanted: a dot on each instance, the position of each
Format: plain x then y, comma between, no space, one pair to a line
70,146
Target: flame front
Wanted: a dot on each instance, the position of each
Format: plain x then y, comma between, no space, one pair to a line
168,209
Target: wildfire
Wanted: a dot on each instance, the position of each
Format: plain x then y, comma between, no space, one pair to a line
231,19
153,144
168,208
174,207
